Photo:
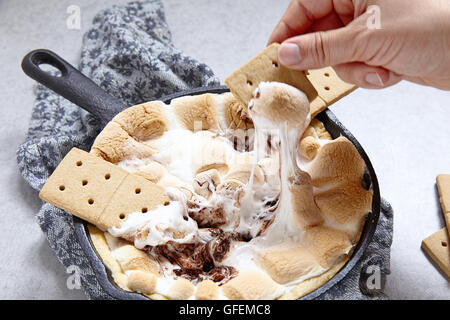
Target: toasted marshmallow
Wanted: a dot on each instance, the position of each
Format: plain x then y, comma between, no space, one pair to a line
336,161
196,112
170,180
235,114
131,258
232,185
210,152
308,147
280,103
326,244
251,285
320,130
145,121
114,145
347,203
304,210
287,262
142,282
310,131
206,182
181,289
242,170
207,290
152,172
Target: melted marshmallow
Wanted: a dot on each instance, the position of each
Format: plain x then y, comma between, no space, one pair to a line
177,153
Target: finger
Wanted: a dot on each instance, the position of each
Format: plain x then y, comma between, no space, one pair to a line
299,16
328,48
364,76
345,9
317,50
329,22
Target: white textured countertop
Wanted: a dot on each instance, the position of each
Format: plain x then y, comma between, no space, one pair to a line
405,131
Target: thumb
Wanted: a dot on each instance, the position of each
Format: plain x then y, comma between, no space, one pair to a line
320,49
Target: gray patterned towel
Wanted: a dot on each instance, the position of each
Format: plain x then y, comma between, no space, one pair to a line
129,53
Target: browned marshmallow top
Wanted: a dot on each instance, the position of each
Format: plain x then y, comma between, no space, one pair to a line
244,220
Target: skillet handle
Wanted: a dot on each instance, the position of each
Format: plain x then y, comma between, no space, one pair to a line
72,84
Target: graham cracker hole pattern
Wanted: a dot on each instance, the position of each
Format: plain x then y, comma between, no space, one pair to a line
166,203
121,216
275,64
326,74
91,201
137,191
444,244
62,188
144,210
84,182
107,176
79,163
249,83
327,88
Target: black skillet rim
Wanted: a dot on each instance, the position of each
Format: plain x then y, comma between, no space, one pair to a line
335,127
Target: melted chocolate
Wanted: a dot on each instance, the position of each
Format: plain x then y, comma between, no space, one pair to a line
206,217
201,260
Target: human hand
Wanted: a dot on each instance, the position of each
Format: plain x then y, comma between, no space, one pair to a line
413,42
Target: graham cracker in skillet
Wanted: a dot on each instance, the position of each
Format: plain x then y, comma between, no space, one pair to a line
443,185
437,248
98,191
322,87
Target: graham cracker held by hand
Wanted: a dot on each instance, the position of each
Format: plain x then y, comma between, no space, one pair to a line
322,87
443,185
98,191
328,85
437,248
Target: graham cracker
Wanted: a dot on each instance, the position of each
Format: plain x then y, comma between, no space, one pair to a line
322,87
98,191
443,185
328,84
135,194
436,247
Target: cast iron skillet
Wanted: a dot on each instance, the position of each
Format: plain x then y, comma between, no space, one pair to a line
82,91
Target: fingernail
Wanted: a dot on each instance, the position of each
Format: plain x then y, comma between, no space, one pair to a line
289,54
374,79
